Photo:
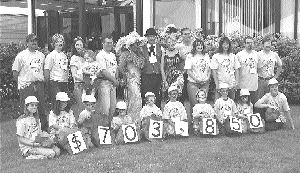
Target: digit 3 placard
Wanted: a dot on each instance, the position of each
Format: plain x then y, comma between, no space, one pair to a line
155,129
235,124
76,142
104,135
209,126
255,121
129,133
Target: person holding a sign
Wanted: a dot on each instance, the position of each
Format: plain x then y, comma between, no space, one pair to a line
148,112
88,121
122,118
224,108
278,110
30,135
203,110
174,111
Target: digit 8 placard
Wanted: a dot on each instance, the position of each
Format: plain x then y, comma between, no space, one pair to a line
209,126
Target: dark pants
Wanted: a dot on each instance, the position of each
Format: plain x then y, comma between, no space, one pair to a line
151,83
36,89
54,88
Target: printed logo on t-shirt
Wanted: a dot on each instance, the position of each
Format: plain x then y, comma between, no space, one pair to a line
226,65
32,129
226,110
63,63
267,65
174,112
36,65
201,65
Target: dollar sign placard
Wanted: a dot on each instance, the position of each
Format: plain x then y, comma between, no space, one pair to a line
76,142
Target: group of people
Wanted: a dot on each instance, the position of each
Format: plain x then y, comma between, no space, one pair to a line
151,75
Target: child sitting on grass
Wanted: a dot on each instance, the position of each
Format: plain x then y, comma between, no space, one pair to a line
278,110
89,120
224,109
173,111
122,118
202,110
149,111
34,144
62,121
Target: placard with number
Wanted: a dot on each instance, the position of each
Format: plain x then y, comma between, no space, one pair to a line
181,128
209,126
235,124
155,129
104,135
255,121
130,133
76,142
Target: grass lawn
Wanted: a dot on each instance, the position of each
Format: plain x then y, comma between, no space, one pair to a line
277,151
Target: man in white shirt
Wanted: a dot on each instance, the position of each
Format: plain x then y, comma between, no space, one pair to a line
28,70
106,102
248,78
267,60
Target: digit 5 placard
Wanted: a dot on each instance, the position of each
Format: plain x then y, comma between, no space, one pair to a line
235,124
155,129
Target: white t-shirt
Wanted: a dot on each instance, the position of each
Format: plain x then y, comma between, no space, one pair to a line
78,62
57,63
29,128
174,110
280,101
203,111
225,108
147,111
107,61
30,67
64,120
225,66
199,66
267,62
248,72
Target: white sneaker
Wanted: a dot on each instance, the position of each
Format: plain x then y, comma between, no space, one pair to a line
36,157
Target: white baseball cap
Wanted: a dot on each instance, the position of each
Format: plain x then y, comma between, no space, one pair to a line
121,105
62,96
244,92
149,94
272,81
223,85
31,99
172,88
89,98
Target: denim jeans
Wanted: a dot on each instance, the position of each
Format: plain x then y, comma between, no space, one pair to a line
106,102
36,89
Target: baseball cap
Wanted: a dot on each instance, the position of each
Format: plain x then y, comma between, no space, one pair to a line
31,99
31,37
121,105
149,94
244,92
62,96
172,88
223,86
272,81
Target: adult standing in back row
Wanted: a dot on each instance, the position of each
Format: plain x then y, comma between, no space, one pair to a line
28,70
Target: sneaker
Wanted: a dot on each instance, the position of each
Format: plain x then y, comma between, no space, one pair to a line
36,157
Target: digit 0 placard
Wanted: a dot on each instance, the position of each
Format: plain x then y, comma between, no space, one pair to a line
76,142
155,129
129,133
104,135
255,121
209,126
235,124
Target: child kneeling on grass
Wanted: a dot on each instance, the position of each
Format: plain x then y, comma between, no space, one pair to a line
173,111
149,111
202,110
122,118
225,108
89,120
34,144
278,110
245,107
62,121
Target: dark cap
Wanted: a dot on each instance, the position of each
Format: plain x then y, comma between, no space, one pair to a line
150,31
31,37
